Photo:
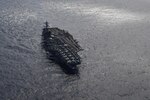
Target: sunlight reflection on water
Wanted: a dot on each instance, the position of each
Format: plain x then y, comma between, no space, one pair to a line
103,14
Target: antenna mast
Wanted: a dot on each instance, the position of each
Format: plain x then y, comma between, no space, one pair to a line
46,24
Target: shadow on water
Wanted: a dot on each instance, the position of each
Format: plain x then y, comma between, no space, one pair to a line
53,59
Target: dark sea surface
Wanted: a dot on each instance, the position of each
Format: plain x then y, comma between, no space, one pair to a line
115,36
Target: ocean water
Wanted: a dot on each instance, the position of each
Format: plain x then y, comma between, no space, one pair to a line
115,36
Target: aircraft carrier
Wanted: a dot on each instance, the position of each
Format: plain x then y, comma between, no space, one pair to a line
62,48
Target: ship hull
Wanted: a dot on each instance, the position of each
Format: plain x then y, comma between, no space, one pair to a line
62,49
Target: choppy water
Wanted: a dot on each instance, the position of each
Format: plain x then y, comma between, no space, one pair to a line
115,62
